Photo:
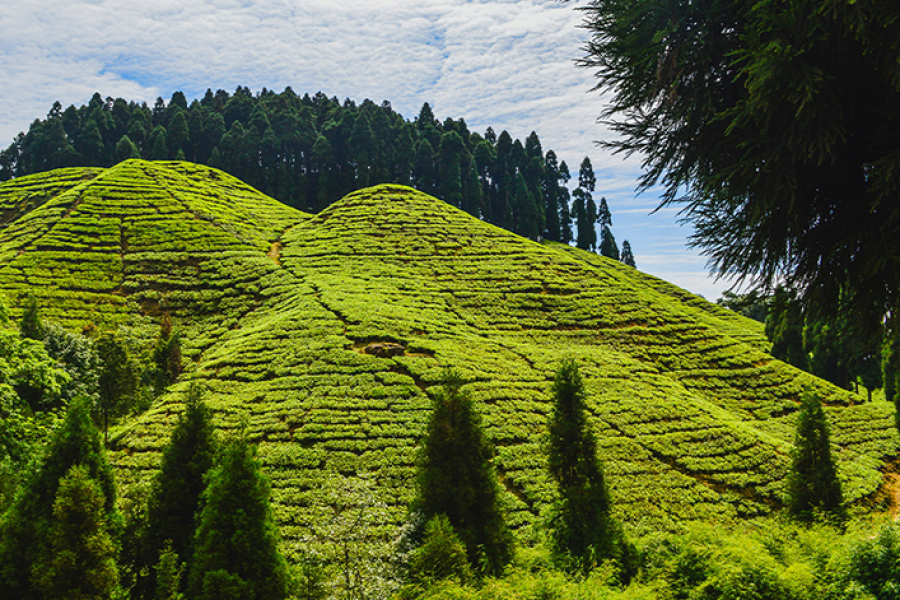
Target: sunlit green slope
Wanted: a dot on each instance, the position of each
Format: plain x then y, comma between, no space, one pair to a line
278,308
141,237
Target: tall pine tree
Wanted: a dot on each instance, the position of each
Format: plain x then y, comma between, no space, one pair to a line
584,531
173,508
814,490
627,254
235,549
117,381
456,479
25,531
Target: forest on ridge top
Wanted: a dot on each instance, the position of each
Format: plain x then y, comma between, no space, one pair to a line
310,151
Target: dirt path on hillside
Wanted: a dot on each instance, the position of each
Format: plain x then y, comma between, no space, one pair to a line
275,253
892,491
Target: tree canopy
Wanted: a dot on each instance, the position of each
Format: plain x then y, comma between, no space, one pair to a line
583,530
310,151
456,478
775,124
813,485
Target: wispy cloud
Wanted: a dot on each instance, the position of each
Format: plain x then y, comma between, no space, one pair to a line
506,64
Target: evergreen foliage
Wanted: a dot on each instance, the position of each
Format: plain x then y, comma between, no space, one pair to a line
784,327
168,574
79,561
332,147
456,479
584,532
627,257
126,149
30,326
167,354
173,510
442,554
775,124
117,382
608,246
26,528
235,548
814,489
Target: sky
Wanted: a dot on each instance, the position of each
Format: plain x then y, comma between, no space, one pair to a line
507,64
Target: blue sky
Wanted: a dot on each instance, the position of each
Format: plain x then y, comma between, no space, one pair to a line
505,64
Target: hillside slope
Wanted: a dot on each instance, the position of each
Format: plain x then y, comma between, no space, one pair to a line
279,310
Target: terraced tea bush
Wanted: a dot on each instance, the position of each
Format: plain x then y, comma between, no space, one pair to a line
693,419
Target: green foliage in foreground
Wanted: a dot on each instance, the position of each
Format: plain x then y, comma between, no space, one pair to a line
79,561
277,310
457,481
760,560
442,555
584,532
813,484
236,554
173,509
26,531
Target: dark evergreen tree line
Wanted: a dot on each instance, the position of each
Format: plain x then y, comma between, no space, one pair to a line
309,151
839,350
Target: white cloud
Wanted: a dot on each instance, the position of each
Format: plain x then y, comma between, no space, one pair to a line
506,64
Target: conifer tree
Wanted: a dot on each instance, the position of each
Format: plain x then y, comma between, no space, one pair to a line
173,508
550,190
441,555
565,214
117,382
591,230
25,528
813,486
586,178
627,254
169,572
526,209
608,246
456,479
31,327
159,150
583,226
235,548
584,531
79,560
604,216
125,149
167,354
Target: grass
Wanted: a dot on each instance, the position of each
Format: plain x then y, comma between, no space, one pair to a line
694,418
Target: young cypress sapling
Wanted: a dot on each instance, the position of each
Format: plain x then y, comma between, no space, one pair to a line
25,528
235,548
174,505
79,559
456,479
814,489
31,326
584,531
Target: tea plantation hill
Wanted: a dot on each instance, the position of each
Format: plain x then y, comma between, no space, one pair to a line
281,311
